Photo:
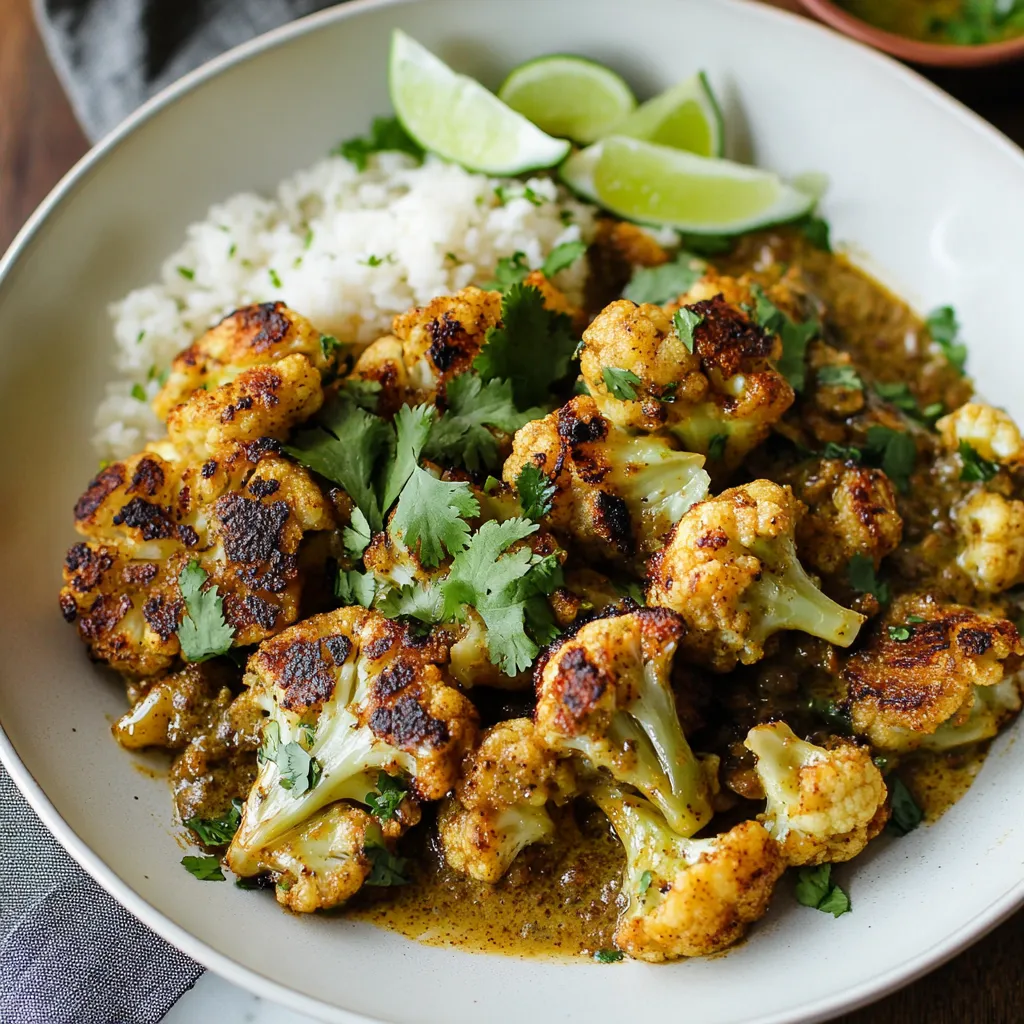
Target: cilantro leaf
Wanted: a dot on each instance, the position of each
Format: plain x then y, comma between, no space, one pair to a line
894,452
666,282
206,869
644,882
707,245
461,435
835,715
217,831
347,446
562,257
817,231
944,329
298,771
975,469
384,802
900,395
844,452
901,634
620,383
357,535
906,814
815,888
203,632
413,601
716,447
840,376
365,393
412,427
532,348
352,587
861,574
686,321
387,868
608,956
536,492
795,336
430,513
508,271
269,742
386,133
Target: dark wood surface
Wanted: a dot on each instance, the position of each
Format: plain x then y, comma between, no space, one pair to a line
40,140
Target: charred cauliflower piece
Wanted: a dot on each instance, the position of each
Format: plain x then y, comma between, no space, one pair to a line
605,695
823,804
243,518
851,510
989,431
616,492
687,897
719,395
990,534
923,670
500,803
347,695
730,569
253,336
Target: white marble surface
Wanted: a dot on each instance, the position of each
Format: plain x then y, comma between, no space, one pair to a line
214,999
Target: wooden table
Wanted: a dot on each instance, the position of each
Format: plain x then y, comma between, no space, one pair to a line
40,140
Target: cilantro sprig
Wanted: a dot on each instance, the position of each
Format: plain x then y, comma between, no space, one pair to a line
975,468
795,336
386,133
944,330
386,798
536,492
298,771
906,813
217,831
387,868
863,578
815,888
203,632
666,282
621,384
206,869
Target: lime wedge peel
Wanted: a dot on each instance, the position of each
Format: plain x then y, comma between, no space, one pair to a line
657,185
687,117
567,96
457,118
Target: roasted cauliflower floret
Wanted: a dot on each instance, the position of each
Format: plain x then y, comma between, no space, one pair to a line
823,804
383,363
730,569
837,391
347,696
261,402
989,431
605,695
921,670
687,897
500,803
616,492
715,387
242,519
851,510
253,336
990,533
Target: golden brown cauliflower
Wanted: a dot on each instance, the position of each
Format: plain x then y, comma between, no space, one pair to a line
990,535
989,431
851,510
500,803
605,695
687,897
717,390
242,517
253,336
823,804
730,569
615,492
348,694
921,671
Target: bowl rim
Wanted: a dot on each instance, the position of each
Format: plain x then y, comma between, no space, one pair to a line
224,965
943,55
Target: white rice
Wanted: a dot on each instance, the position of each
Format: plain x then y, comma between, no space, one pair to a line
346,248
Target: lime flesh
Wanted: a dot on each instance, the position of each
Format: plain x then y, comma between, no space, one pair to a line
569,97
654,184
457,118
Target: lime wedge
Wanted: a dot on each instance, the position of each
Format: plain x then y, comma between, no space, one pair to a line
457,118
657,185
570,97
687,116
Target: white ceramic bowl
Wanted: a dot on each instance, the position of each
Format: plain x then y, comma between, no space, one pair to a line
934,195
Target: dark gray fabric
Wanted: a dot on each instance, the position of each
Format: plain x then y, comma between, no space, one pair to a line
69,954
114,54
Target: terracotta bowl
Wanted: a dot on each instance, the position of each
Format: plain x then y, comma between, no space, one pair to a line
934,54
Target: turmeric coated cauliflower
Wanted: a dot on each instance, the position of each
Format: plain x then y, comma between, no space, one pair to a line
616,492
823,805
500,803
989,431
990,534
921,669
604,694
730,569
687,897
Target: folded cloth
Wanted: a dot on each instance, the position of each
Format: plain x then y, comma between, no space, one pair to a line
114,54
69,954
